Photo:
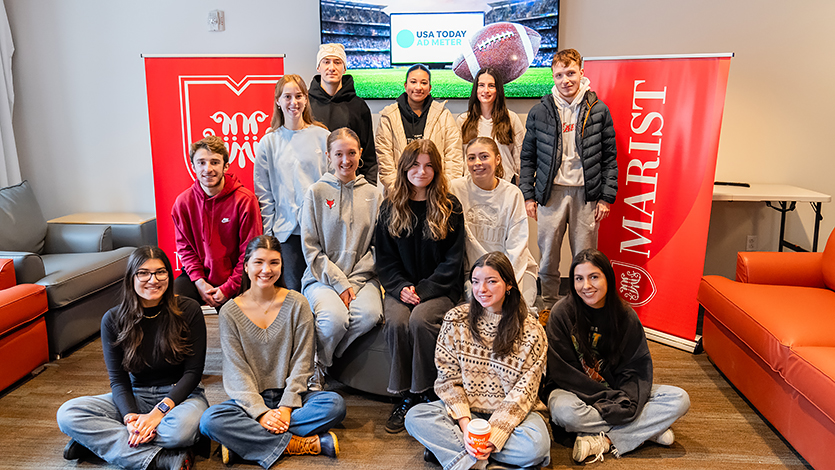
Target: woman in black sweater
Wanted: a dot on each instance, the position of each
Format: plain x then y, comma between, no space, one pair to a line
154,348
420,254
599,377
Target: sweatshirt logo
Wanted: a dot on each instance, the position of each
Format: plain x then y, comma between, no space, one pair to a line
568,128
224,220
330,203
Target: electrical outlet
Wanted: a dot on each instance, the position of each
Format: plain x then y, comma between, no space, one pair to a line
751,243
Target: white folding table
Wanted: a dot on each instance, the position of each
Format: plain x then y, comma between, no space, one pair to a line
785,195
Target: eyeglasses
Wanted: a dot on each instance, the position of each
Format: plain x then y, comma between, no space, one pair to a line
145,276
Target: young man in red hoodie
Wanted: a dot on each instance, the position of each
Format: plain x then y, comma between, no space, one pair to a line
213,221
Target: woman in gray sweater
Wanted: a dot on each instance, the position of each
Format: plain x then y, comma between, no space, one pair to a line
267,337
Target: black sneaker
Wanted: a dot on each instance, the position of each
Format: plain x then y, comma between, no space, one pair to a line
75,451
397,420
428,397
429,457
169,459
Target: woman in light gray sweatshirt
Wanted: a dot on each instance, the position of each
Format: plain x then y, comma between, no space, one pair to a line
337,222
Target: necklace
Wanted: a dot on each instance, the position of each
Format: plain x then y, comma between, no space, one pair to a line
275,296
152,316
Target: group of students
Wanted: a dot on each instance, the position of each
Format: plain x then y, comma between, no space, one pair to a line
311,284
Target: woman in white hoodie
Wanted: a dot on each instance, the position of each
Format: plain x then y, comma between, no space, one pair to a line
494,214
415,115
337,223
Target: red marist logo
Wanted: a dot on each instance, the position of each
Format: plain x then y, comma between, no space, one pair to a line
235,110
568,127
330,203
634,283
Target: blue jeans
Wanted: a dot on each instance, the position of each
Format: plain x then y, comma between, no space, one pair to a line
96,423
338,326
529,445
228,424
666,404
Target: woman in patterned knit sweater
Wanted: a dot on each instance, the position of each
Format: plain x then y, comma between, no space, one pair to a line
490,357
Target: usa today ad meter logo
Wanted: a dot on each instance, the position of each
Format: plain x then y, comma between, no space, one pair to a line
431,37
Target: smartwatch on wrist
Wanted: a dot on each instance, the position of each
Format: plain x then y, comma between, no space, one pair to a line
162,406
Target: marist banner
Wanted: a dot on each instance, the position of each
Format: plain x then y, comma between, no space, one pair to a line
667,113
192,97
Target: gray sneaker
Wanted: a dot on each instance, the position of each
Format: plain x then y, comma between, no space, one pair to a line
590,444
666,438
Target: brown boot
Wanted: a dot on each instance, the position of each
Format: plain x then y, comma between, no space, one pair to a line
314,445
543,316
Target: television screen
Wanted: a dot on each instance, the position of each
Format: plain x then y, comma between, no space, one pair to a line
455,38
431,38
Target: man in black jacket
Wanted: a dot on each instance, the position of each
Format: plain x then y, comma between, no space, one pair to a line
569,171
335,103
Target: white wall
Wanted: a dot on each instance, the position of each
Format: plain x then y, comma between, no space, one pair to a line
81,118
82,125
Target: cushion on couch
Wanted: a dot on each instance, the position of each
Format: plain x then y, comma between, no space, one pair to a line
785,317
19,305
76,275
811,371
22,224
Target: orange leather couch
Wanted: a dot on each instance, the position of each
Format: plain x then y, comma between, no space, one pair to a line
23,342
772,333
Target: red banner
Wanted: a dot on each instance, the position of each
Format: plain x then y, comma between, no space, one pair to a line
193,97
667,114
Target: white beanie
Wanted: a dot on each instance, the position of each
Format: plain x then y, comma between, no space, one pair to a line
332,50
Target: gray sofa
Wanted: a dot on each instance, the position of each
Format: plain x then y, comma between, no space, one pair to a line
366,363
76,264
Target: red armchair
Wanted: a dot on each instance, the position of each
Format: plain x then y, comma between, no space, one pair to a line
23,341
772,333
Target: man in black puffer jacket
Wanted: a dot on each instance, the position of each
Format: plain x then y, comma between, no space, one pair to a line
569,170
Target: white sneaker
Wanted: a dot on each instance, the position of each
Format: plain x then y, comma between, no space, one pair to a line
316,382
666,438
590,444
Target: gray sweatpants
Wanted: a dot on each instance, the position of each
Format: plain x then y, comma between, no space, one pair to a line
566,209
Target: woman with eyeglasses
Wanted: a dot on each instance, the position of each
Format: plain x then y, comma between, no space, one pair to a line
154,346
416,115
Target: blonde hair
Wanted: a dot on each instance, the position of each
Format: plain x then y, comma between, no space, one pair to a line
494,149
438,202
278,114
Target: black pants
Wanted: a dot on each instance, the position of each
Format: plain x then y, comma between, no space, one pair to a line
183,285
294,263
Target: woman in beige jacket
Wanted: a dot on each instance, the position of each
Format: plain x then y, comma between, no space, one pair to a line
415,115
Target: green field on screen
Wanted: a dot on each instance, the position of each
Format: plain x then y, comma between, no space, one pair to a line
388,83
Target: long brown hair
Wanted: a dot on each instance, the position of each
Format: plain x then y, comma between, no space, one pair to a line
172,342
514,310
267,242
278,115
614,310
438,202
502,130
